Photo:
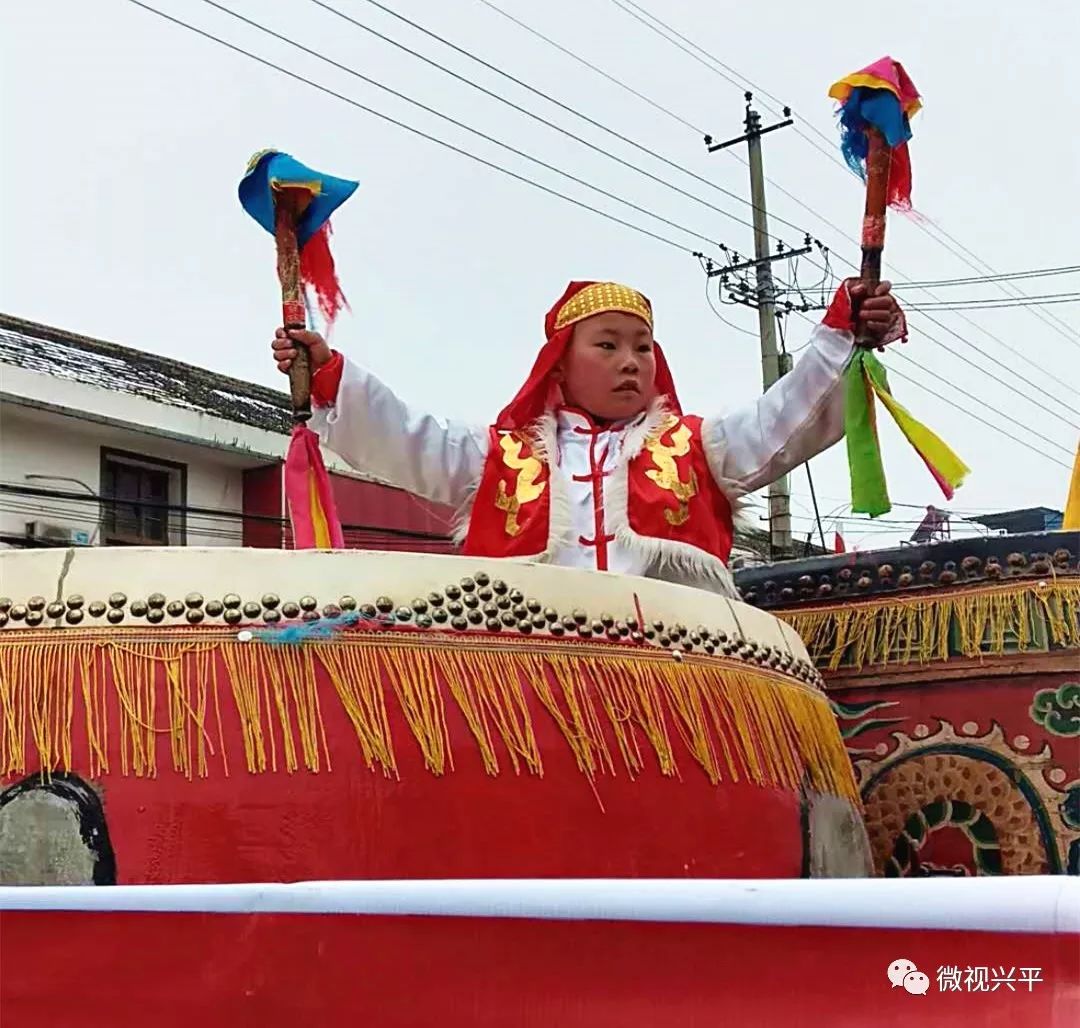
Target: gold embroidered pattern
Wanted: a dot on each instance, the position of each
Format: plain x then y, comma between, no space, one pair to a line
667,477
600,298
527,488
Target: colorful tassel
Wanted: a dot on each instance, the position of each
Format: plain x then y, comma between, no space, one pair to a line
269,173
864,379
312,511
322,630
881,96
318,274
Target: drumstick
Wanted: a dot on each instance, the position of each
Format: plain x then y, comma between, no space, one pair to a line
289,204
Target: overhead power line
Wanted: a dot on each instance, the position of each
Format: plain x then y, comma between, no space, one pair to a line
490,164
951,401
592,67
740,81
38,500
990,410
1043,370
615,80
998,303
410,128
456,123
940,283
1041,395
726,72
884,524
1062,328
922,506
567,108
713,308
471,56
995,410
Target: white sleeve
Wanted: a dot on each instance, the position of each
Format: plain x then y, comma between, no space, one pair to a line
801,415
375,432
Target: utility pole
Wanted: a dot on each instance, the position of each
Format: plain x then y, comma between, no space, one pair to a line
771,365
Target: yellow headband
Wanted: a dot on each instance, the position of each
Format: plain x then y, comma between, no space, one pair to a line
600,298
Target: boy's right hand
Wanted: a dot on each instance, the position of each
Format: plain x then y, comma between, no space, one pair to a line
287,341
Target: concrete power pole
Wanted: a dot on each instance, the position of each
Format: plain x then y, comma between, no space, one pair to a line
780,490
771,368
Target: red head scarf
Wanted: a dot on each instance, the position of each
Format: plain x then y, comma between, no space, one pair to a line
540,390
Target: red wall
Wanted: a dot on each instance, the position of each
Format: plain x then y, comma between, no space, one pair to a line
375,517
381,507
263,496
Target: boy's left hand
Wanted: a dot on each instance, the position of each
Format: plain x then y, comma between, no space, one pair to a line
880,320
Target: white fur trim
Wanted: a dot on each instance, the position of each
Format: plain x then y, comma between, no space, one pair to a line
694,565
635,437
544,442
544,439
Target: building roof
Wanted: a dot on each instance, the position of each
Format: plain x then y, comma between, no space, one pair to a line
63,354
1006,518
907,569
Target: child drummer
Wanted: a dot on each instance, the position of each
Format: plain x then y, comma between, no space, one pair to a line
593,464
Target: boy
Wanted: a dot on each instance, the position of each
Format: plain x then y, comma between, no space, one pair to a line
593,464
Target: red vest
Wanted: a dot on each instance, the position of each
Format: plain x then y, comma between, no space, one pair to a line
664,497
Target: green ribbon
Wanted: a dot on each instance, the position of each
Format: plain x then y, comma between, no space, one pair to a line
865,380
869,493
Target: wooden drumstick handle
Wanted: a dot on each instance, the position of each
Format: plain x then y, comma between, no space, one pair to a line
878,164
293,313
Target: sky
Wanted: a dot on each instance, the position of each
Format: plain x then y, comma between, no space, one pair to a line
124,137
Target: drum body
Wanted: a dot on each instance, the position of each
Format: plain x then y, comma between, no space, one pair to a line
178,716
954,670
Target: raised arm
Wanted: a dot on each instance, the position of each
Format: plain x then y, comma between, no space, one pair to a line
803,413
365,423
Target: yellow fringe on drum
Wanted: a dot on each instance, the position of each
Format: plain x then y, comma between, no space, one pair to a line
617,712
920,629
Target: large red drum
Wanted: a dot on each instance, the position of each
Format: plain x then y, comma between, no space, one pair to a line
178,716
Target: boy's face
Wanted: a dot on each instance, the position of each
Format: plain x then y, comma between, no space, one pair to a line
609,368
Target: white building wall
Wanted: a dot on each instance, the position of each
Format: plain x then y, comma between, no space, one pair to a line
34,441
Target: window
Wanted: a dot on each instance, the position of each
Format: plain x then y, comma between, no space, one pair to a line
142,500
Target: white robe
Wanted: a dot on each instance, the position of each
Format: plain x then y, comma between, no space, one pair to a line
801,415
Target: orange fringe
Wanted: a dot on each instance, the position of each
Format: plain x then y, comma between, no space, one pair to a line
927,627
617,710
